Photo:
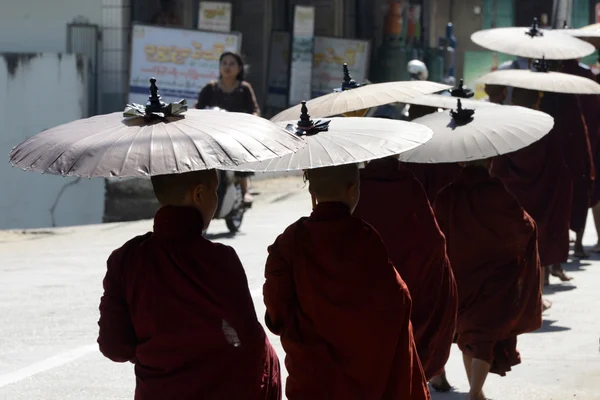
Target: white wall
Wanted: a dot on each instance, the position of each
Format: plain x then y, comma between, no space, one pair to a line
40,91
41,25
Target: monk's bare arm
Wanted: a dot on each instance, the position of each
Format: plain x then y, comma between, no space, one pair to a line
278,290
117,339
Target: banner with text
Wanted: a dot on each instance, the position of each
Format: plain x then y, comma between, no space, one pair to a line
181,60
214,16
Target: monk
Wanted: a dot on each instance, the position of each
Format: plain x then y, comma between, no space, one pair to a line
433,177
338,304
538,177
393,201
492,245
590,104
178,306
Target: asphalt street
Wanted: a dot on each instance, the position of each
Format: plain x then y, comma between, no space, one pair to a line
51,283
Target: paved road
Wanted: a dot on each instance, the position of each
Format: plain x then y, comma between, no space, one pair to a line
50,284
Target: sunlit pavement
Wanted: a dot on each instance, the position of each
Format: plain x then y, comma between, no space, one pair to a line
50,285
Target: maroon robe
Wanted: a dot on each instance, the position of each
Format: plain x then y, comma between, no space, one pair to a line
178,306
590,106
575,143
342,311
539,179
434,177
492,245
395,204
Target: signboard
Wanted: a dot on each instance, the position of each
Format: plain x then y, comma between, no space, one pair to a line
214,16
182,61
277,79
302,54
330,54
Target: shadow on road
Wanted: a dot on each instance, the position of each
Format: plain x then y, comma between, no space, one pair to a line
576,265
549,327
220,235
558,288
448,396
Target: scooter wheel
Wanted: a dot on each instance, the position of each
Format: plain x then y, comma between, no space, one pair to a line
234,222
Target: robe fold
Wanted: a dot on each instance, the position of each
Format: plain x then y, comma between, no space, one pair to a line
341,310
539,179
434,177
395,204
178,306
590,106
575,144
492,246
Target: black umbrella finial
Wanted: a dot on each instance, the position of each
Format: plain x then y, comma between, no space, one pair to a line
462,115
462,91
306,126
348,82
566,25
154,103
541,65
535,29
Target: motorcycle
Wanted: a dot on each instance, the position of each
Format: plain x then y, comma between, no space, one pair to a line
231,206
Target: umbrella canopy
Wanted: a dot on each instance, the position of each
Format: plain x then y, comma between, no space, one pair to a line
441,101
592,36
157,139
533,42
468,135
338,141
353,97
555,82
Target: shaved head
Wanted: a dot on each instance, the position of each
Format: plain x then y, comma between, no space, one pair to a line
417,111
332,182
525,97
496,93
172,189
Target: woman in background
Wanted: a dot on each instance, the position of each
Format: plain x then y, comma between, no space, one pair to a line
231,93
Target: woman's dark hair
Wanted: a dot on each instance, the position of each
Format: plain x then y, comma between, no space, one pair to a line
238,60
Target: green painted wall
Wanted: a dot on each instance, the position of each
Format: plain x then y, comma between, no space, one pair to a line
505,13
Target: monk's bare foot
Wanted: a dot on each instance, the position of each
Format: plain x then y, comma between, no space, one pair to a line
440,384
546,304
579,252
478,396
559,272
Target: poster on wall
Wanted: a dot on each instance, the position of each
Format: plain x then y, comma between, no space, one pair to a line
330,54
479,63
302,55
181,60
277,79
214,16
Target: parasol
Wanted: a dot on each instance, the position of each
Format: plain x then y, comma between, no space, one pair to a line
533,42
541,79
346,140
353,96
449,100
592,36
156,139
468,135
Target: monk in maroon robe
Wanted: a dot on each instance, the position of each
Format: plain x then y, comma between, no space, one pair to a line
492,245
590,104
433,177
178,306
539,178
338,304
395,204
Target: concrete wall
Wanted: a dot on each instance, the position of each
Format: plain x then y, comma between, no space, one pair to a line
37,92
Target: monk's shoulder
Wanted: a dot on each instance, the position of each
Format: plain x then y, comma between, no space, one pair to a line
361,230
288,236
129,246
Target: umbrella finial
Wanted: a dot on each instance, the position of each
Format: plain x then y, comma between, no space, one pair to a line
154,103
348,82
541,65
566,25
462,91
535,29
307,126
462,115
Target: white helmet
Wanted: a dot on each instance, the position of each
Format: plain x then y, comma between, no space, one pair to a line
418,70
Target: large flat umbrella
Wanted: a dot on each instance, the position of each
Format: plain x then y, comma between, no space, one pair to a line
533,42
448,99
354,97
154,140
339,141
468,135
592,36
556,82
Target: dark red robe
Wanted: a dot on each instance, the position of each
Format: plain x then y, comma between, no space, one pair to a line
492,246
434,177
395,204
342,311
539,179
590,106
575,143
178,306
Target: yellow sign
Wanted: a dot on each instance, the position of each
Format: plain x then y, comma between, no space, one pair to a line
180,55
